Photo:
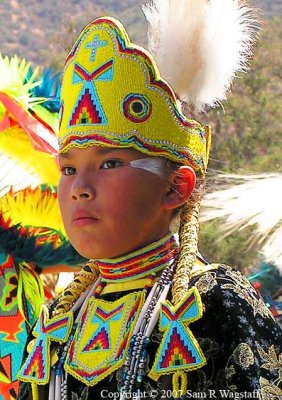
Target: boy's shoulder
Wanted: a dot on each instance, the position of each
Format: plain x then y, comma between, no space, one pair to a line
220,277
205,276
223,286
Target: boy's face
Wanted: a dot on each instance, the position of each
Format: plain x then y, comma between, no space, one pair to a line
108,207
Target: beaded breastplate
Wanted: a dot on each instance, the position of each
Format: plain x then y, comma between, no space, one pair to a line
106,336
102,337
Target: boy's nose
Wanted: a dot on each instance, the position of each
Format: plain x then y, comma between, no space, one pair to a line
82,192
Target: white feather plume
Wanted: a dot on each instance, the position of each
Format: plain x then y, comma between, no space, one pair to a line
254,200
14,176
200,45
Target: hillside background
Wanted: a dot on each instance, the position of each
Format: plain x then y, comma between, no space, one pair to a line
247,133
29,28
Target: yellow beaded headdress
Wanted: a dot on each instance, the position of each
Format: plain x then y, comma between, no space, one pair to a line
118,99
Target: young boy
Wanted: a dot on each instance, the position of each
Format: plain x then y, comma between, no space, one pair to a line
146,317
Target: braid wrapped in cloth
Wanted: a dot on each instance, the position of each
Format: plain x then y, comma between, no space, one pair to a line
188,237
84,278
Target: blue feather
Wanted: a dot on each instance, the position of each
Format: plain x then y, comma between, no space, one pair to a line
49,88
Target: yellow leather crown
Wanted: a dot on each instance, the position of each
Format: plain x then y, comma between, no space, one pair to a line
113,96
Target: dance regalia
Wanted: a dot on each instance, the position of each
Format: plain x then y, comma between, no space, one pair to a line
158,320
97,351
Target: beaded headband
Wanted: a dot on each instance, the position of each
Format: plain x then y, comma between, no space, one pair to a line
118,99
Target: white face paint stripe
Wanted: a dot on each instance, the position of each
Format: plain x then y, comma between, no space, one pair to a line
154,165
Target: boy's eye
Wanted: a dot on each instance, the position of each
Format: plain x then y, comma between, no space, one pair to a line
68,171
111,164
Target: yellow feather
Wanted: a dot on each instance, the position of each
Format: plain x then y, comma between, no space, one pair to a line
15,143
33,207
13,81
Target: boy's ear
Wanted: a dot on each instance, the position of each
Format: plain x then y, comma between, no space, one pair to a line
181,185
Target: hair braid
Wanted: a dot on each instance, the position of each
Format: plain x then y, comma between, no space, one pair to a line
85,277
188,237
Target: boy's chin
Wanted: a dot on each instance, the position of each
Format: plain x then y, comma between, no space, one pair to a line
100,255
108,251
86,253
88,250
95,255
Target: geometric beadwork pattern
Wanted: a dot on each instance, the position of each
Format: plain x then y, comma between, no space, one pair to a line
139,264
9,299
88,109
100,341
137,107
179,350
94,45
36,368
102,337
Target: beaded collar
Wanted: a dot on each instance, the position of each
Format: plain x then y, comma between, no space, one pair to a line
150,259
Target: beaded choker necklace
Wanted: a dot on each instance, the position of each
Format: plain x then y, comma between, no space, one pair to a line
140,263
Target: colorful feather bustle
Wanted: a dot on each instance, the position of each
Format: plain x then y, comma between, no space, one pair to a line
31,229
48,88
27,86
16,145
29,121
253,200
14,83
32,236
15,176
28,148
35,208
201,45
24,245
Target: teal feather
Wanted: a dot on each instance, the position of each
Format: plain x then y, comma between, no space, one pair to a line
49,88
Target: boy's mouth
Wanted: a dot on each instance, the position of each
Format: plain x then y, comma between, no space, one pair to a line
84,221
81,218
